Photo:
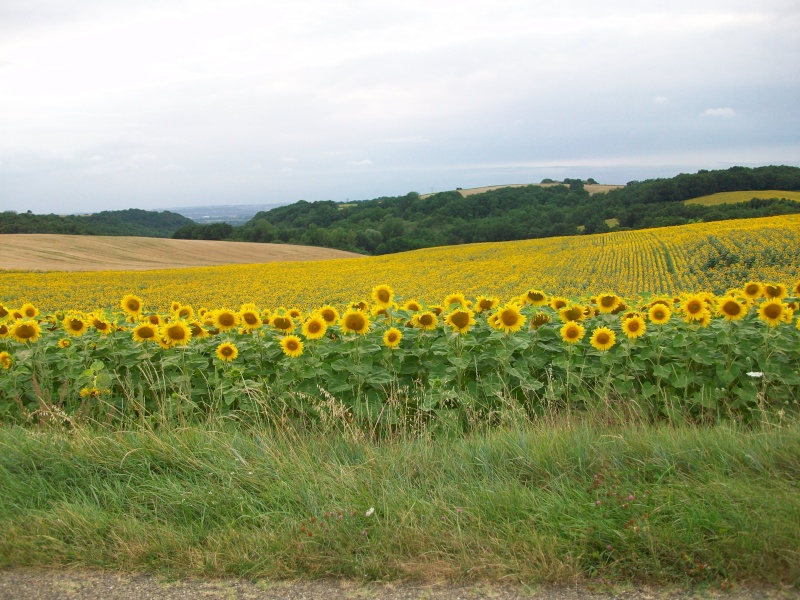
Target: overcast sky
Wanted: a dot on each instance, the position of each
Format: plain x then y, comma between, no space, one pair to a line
107,104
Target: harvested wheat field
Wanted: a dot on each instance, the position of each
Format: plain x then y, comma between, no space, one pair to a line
592,188
49,252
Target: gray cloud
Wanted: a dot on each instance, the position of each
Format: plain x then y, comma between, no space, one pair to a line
183,100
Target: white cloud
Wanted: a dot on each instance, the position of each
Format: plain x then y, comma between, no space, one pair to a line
365,162
660,100
172,168
724,113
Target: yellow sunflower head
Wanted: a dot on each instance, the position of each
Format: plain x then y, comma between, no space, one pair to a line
694,307
509,318
659,313
197,330
412,306
775,291
227,352
608,302
572,312
795,290
283,323
225,319
329,313
539,319
101,325
132,305
603,339
315,327
732,308
392,337
154,319
3,311
484,304
535,297
184,312
178,333
64,343
292,346
5,360
4,330
174,306
461,320
145,332
25,330
295,313
75,325
250,319
753,290
634,327
557,303
354,321
426,320
572,332
383,295
29,311
458,298
771,311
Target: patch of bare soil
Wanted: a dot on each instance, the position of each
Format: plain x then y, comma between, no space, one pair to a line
49,252
41,584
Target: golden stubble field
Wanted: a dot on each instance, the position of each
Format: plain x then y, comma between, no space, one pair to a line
49,252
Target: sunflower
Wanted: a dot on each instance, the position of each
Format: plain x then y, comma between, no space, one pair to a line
571,312
64,343
535,297
75,325
557,303
461,320
132,305
603,339
197,330
392,337
225,319
383,295
3,312
607,303
732,309
295,313
572,332
412,306
5,360
771,311
145,332
659,313
292,346
509,319
184,312
436,309
361,305
250,319
539,319
425,320
795,291
694,307
354,321
178,333
382,311
753,290
164,342
154,319
101,325
25,331
788,313
329,313
457,298
633,327
4,331
283,323
775,291
315,327
227,352
483,304
29,310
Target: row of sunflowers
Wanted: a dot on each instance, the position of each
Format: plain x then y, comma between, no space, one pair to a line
388,359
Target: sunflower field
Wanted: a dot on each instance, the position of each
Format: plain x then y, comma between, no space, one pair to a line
387,361
670,260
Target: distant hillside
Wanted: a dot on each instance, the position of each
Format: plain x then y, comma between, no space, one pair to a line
395,224
743,196
133,222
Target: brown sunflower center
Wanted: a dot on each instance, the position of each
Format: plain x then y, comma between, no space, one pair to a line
509,318
460,319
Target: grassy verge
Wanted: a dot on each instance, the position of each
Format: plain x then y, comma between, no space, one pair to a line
567,501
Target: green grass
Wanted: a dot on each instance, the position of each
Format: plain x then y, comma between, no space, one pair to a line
742,196
564,501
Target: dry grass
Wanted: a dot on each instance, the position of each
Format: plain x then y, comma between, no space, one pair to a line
743,196
47,252
591,188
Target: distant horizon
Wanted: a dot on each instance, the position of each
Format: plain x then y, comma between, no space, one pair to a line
275,204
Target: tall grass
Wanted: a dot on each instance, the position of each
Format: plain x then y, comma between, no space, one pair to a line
563,499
